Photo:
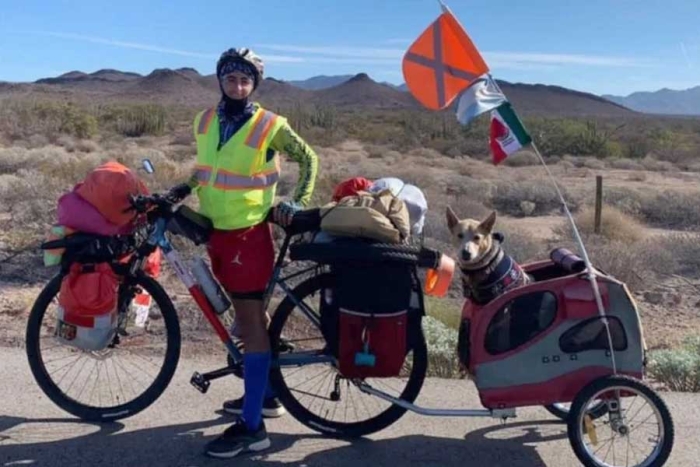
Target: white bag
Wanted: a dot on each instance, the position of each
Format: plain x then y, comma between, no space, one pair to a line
411,195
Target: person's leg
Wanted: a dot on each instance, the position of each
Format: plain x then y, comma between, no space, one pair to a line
256,360
244,262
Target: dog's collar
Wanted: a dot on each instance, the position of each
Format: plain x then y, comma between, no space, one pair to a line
487,264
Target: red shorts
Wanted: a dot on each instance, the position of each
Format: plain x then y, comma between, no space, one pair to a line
243,259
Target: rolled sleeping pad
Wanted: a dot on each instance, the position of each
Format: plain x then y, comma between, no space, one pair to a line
568,260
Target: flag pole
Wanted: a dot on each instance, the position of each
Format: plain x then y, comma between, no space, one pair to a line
592,275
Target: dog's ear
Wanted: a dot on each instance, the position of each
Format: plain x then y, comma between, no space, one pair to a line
452,218
486,226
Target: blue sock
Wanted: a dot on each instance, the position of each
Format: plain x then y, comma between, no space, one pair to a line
256,369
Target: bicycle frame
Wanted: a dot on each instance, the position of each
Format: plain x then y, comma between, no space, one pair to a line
172,256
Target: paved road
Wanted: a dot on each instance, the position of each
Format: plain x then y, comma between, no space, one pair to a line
173,431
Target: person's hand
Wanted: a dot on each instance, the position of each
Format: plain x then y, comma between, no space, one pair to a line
284,212
179,192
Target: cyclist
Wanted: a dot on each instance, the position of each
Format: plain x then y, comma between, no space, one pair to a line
235,179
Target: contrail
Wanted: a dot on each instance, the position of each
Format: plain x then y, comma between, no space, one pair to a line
152,48
685,55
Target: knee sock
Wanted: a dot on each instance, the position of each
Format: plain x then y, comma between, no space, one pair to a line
255,374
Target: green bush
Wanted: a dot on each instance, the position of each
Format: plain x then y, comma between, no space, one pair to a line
135,120
23,118
442,348
678,369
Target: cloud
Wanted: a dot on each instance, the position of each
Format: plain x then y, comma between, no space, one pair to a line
398,41
153,48
565,59
513,60
377,56
338,51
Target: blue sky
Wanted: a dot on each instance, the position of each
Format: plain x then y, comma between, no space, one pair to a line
613,46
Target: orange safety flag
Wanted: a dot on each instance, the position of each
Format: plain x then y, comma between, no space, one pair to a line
442,63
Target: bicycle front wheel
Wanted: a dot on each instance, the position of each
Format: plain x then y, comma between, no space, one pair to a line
117,382
317,395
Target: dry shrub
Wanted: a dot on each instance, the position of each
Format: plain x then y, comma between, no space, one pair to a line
37,141
594,164
87,145
508,197
637,177
676,254
14,158
654,165
672,209
615,225
521,246
693,167
625,164
67,142
425,153
523,159
628,262
182,138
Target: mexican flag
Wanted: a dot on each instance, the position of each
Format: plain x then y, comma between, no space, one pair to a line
508,135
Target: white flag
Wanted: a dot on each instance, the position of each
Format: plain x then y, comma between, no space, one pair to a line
482,96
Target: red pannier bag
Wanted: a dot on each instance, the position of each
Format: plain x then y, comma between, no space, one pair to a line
365,318
87,315
372,345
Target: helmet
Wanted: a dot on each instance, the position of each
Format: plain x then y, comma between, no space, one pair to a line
245,55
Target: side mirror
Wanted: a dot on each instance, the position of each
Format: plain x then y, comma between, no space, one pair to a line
148,166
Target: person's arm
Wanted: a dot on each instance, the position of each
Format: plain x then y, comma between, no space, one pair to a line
290,143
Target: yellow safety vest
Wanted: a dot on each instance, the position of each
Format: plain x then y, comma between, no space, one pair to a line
237,183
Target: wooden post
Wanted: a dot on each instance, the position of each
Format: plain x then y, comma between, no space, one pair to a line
598,202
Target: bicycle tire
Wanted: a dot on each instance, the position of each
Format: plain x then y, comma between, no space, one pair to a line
104,414
332,428
358,251
574,428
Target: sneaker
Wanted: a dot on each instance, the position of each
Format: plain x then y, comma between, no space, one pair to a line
272,408
285,345
237,439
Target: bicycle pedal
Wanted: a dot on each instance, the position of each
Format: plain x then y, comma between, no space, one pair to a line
199,382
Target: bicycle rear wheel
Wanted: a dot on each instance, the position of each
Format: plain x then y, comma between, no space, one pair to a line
317,395
118,381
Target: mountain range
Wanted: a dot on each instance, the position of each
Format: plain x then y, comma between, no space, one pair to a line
664,101
186,86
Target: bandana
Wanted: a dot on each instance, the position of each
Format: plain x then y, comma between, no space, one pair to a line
237,65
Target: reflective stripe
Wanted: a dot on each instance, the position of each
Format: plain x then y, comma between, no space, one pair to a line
205,120
228,181
202,173
261,128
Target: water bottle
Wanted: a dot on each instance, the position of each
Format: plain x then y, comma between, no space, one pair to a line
211,288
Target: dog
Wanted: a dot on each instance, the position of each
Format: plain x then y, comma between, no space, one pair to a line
487,272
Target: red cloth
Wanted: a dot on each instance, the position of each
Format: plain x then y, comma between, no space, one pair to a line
351,187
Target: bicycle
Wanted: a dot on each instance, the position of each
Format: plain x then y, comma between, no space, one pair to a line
340,407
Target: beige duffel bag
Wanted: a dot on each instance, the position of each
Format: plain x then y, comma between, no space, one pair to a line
379,216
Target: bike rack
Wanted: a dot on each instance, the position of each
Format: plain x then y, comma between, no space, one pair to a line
495,413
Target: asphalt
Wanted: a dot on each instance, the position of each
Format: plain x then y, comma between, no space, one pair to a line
174,430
